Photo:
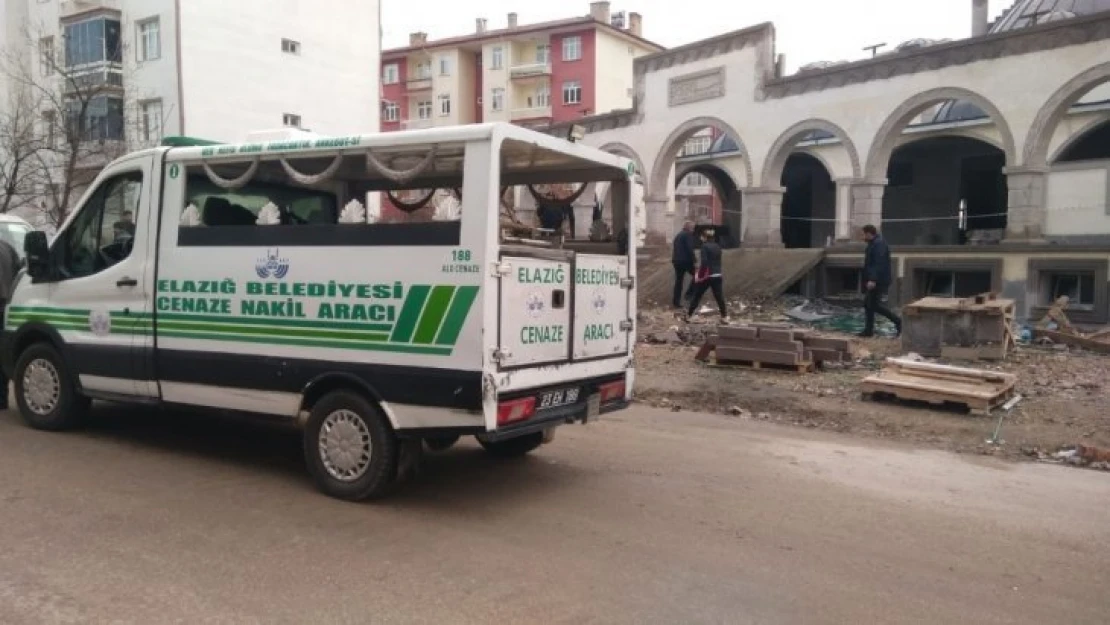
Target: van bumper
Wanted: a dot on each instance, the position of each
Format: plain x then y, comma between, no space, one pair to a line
564,415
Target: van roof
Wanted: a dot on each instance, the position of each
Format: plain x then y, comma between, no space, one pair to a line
522,151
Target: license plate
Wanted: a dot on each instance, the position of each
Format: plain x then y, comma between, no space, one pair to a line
556,399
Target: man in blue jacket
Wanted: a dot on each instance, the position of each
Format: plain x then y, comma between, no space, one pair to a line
876,279
683,260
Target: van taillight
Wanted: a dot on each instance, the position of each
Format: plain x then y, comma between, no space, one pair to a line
516,410
612,391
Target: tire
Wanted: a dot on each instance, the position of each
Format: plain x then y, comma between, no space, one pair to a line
442,443
350,449
514,447
45,393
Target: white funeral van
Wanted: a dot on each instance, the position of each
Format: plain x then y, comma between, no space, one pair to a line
249,278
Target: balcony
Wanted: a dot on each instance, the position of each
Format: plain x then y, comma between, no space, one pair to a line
417,124
530,70
533,112
414,85
74,8
93,79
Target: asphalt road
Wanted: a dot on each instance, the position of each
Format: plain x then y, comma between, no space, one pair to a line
648,517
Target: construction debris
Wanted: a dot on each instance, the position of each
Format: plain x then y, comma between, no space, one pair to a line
764,346
971,328
1057,328
980,391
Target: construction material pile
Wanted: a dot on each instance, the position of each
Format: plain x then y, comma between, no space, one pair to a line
764,346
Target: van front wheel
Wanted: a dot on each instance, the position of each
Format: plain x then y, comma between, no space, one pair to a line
45,392
349,447
513,447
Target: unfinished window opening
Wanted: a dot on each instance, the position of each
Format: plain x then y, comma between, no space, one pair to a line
945,283
843,282
1078,287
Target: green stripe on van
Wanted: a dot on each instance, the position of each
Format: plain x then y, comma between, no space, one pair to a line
432,318
410,313
456,315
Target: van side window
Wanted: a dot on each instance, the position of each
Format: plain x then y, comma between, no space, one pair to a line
241,207
103,233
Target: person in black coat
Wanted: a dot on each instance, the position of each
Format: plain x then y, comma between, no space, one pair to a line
709,276
10,264
876,281
683,260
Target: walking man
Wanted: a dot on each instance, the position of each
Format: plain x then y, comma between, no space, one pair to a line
9,267
709,277
683,260
877,278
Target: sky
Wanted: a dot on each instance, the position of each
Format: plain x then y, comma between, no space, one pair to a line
806,30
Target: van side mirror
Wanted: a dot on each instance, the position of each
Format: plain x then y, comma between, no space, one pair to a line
38,254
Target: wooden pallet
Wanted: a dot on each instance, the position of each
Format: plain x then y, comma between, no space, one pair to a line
980,391
751,365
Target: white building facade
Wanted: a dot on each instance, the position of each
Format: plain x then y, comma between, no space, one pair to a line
211,68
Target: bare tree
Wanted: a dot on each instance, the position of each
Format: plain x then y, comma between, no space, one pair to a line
86,117
19,147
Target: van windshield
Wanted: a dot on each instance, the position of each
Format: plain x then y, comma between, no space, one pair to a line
13,234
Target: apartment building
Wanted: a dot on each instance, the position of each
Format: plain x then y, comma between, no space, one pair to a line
207,68
529,74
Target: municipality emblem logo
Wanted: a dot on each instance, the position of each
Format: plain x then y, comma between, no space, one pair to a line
599,302
535,305
272,265
100,323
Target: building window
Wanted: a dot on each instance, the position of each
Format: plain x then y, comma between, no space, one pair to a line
497,58
543,54
391,74
572,48
444,66
291,120
289,46
150,40
50,127
572,92
103,118
47,57
424,109
1078,287
151,120
423,70
543,96
696,180
444,105
93,41
390,112
696,145
497,101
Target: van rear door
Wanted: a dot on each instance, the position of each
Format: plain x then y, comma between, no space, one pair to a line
602,306
535,302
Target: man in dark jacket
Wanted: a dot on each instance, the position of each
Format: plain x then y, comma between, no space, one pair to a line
9,268
683,260
876,279
710,276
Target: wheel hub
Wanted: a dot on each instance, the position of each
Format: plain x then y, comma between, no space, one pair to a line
41,387
345,445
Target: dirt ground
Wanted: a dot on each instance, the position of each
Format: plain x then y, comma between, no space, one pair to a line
1066,399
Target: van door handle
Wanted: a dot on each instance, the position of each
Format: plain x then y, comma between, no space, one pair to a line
127,282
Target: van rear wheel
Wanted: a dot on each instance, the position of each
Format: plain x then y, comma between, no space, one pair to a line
45,393
514,447
350,448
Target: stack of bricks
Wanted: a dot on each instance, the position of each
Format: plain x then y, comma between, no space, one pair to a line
770,344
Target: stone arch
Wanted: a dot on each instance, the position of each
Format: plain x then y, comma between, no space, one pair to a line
1048,118
717,175
886,139
783,146
956,133
1076,137
623,149
668,151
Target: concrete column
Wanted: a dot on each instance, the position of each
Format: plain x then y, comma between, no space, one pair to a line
659,220
1026,216
867,204
762,218
843,230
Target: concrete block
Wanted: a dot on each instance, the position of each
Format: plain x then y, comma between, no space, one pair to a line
741,333
725,355
766,334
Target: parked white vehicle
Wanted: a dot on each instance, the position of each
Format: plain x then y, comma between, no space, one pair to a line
13,231
246,278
